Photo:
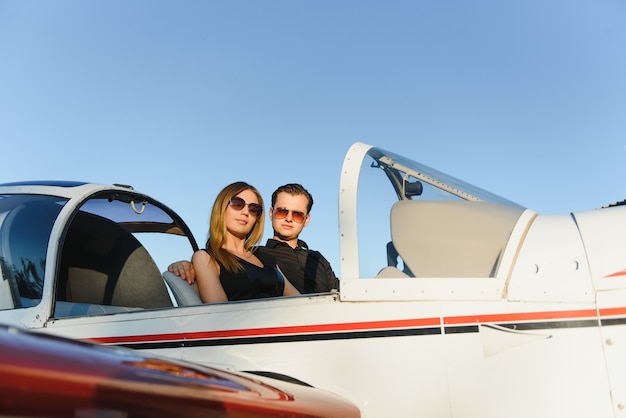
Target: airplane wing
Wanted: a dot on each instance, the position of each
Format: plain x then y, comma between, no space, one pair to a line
44,375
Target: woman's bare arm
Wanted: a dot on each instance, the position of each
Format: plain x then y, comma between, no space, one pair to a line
207,278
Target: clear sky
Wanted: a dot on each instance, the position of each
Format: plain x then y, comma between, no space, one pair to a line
526,99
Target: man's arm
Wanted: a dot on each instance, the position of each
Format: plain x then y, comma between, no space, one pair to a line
184,270
330,279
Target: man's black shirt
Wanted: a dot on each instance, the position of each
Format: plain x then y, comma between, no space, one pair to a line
306,269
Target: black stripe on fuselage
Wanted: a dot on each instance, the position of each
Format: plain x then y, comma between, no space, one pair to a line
613,321
267,339
404,332
462,329
531,326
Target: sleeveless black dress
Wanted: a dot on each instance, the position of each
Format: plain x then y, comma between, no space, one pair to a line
253,282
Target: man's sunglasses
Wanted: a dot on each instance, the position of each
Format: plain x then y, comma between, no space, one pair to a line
238,204
297,216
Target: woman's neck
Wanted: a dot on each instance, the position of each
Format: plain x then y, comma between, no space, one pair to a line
237,247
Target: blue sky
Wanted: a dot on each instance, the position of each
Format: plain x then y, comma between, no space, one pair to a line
526,99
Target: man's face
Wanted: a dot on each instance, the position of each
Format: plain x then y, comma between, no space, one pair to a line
287,228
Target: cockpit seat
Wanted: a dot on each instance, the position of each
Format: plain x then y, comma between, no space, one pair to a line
104,264
452,238
184,293
391,272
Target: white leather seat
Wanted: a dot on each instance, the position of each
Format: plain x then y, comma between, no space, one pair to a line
184,293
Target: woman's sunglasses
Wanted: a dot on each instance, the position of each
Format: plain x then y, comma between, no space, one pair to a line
297,216
238,204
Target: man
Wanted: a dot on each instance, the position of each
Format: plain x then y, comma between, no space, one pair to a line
306,269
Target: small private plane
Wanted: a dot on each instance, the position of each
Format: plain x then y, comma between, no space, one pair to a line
453,301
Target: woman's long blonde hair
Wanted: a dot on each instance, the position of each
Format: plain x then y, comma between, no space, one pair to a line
217,227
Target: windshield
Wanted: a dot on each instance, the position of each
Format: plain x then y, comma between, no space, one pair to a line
25,225
420,181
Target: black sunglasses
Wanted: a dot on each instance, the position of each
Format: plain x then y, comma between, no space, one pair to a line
296,215
238,204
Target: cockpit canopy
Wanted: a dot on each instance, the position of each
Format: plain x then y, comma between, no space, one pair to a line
113,247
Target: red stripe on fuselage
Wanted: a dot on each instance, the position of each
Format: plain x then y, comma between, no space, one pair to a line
255,332
616,274
612,311
520,317
368,325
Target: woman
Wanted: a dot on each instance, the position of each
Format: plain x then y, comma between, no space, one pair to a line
229,268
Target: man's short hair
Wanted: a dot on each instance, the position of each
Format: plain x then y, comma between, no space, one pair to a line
294,189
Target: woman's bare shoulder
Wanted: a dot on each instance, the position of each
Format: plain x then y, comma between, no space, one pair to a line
200,256
203,253
203,262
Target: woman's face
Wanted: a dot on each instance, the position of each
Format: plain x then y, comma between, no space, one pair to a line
240,221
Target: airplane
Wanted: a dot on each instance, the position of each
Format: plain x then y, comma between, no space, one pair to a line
453,301
42,375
